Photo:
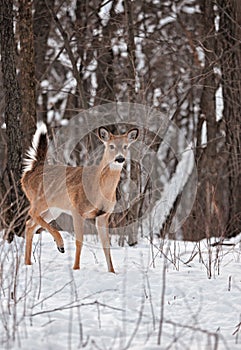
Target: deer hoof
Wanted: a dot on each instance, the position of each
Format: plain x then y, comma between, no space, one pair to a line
61,249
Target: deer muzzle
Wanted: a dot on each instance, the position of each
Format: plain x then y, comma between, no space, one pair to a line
120,159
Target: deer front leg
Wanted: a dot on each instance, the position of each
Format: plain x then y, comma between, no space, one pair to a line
103,232
78,222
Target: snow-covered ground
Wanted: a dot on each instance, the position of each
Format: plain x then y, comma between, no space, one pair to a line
160,294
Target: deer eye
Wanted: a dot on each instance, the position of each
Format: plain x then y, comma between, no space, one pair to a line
112,146
125,147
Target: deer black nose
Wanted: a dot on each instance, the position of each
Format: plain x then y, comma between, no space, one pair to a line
120,159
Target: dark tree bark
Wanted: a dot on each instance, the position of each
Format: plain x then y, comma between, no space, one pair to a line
27,73
12,116
204,220
230,34
105,57
217,209
131,51
42,20
41,27
207,166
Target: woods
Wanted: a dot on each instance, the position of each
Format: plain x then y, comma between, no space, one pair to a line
181,58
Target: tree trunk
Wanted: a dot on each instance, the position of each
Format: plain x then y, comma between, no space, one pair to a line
41,28
230,33
42,20
204,220
131,51
12,116
105,66
217,209
27,73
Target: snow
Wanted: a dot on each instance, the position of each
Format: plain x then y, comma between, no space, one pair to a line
164,21
49,306
104,12
219,103
201,56
204,134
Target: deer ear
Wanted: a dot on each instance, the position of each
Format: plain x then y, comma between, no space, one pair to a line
132,135
103,134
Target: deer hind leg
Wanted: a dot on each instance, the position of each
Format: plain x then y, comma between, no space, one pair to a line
30,227
103,232
78,222
55,233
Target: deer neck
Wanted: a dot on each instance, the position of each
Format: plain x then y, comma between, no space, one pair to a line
109,176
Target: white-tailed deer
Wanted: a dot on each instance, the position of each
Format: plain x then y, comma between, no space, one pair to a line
85,192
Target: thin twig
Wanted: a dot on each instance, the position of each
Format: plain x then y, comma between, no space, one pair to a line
75,306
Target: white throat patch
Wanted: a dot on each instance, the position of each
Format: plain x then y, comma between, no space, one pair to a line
116,166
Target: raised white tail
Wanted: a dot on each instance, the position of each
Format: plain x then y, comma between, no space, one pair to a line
85,192
33,154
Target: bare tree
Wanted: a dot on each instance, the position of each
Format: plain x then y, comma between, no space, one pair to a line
230,35
27,72
203,221
41,29
19,113
12,113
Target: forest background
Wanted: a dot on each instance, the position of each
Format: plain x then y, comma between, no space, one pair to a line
181,57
